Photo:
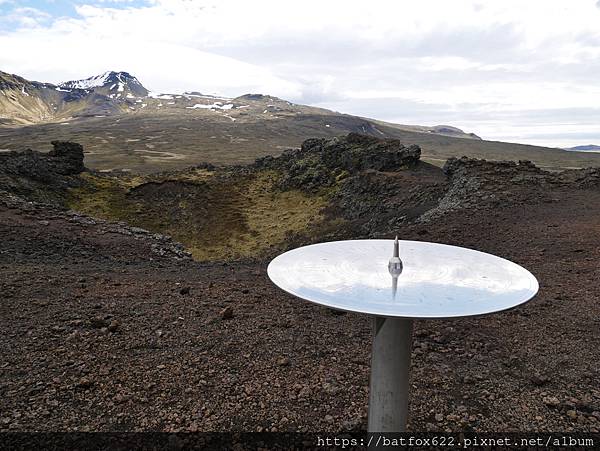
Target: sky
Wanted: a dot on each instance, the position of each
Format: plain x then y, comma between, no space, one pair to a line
518,71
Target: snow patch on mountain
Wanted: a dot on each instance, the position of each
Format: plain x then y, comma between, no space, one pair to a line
155,95
89,83
214,106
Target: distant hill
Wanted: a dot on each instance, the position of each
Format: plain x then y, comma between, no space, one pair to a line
586,148
444,130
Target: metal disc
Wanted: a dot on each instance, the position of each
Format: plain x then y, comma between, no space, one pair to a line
437,281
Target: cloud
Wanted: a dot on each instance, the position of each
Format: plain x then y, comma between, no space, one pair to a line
26,17
415,61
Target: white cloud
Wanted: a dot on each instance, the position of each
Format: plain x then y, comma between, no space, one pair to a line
467,57
26,17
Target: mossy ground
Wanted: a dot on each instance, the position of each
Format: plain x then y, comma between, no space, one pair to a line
216,217
104,197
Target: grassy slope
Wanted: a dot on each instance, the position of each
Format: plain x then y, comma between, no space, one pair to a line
150,142
215,218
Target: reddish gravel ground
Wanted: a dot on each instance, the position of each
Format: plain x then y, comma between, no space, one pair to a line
100,333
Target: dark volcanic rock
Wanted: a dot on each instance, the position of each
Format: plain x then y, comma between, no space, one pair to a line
66,158
378,202
581,178
227,313
359,152
500,168
252,97
42,176
477,184
320,162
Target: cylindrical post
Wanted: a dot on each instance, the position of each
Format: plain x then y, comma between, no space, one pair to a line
390,368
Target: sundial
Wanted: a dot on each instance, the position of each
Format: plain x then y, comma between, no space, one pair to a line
397,282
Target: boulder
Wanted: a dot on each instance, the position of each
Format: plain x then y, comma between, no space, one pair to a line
42,177
66,157
320,162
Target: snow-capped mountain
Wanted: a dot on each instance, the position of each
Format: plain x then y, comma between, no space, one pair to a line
29,102
114,113
112,84
88,83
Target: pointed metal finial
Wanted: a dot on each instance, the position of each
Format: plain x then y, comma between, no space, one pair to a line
395,267
395,264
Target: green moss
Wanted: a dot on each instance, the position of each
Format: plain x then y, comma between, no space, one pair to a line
104,197
216,218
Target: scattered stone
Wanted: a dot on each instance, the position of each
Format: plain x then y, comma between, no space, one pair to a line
184,290
74,336
85,382
551,401
114,326
331,388
539,379
336,312
283,361
305,392
586,406
97,322
227,313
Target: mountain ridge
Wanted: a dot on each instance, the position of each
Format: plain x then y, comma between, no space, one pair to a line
584,148
25,102
119,92
116,84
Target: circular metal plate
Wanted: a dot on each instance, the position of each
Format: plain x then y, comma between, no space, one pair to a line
437,281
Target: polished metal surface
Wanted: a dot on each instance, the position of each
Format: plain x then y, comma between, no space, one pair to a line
390,374
395,264
437,280
395,267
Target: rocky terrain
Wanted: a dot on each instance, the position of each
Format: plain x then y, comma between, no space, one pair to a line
109,326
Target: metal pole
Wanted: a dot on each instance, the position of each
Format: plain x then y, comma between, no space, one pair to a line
390,366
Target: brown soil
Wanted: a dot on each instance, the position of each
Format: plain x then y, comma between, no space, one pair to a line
99,332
